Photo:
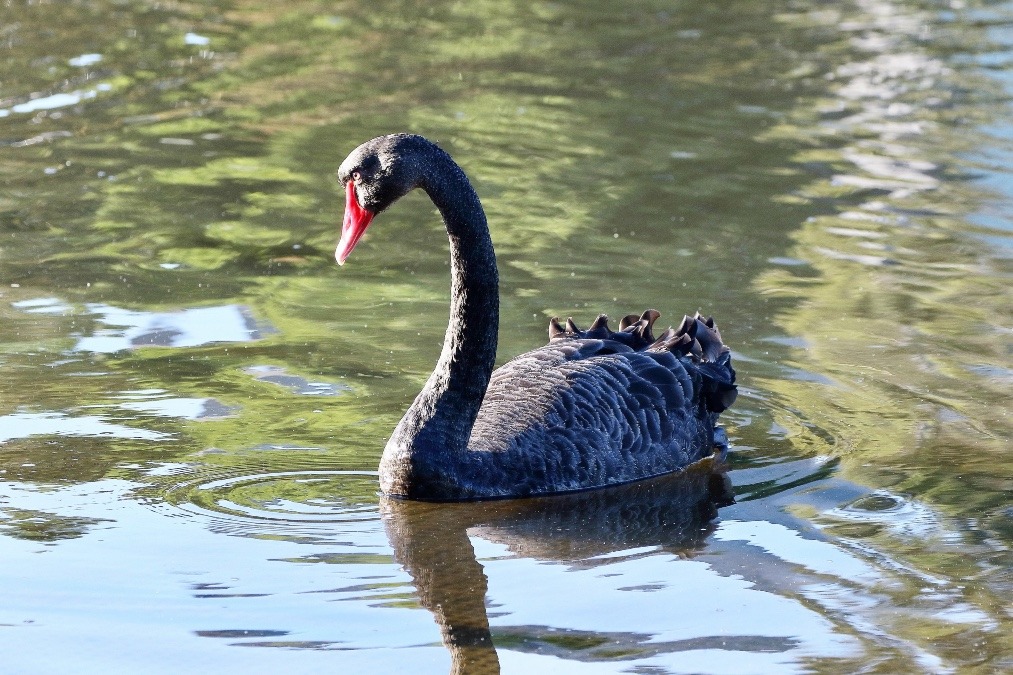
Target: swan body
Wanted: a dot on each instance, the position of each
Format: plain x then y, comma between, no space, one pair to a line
592,408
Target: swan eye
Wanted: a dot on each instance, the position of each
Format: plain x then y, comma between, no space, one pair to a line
356,176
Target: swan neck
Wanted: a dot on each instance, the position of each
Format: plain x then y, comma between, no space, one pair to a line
469,348
438,424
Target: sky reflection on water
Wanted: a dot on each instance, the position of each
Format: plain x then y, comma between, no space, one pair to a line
186,328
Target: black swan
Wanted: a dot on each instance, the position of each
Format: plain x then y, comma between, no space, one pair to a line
591,409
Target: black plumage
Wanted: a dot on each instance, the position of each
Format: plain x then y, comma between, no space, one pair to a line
592,408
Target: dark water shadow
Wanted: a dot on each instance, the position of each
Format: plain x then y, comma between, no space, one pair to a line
431,541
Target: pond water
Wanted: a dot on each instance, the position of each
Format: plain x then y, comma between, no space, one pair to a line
194,397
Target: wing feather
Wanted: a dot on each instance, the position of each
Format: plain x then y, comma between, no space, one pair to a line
601,407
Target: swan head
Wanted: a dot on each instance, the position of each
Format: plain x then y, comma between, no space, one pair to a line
375,175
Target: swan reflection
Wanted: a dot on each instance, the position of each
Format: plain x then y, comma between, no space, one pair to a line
431,541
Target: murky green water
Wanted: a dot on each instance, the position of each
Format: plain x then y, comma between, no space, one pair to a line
193,397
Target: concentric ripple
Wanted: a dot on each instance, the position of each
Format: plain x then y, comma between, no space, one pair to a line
899,515
290,503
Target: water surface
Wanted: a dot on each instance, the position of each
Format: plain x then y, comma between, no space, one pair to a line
194,397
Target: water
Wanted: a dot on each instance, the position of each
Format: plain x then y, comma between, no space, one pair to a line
194,397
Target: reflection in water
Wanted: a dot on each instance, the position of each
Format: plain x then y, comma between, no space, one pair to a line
432,542
42,306
295,383
566,570
635,576
157,402
129,329
55,101
26,425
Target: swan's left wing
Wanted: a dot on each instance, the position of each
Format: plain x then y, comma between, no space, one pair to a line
587,410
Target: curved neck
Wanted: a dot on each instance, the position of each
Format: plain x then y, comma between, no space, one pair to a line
462,374
439,422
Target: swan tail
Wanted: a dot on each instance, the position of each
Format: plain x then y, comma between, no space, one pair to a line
697,337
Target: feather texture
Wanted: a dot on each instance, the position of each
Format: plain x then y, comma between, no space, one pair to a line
599,410
592,408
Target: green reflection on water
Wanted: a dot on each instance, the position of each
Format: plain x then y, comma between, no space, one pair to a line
644,156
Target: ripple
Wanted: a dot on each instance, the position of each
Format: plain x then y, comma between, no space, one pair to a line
899,515
292,504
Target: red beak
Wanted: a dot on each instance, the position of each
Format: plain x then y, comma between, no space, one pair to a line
357,219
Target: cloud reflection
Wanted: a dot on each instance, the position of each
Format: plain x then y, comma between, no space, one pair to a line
24,425
129,329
